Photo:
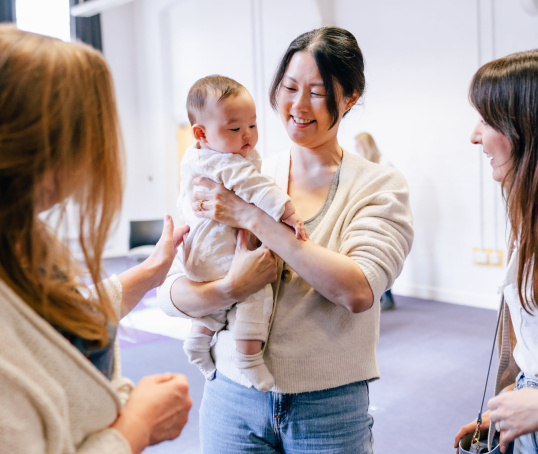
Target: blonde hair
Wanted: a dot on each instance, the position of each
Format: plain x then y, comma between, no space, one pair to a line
369,147
58,121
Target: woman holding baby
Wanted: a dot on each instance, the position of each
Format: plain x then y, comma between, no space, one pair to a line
325,322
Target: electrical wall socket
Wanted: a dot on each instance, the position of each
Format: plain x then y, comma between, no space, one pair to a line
495,258
488,257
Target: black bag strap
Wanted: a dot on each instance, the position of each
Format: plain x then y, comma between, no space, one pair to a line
476,435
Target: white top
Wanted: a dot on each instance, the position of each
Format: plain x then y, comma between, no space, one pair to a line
525,325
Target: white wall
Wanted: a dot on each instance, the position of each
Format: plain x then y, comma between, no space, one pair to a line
420,57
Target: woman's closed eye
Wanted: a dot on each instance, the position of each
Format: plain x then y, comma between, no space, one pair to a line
289,88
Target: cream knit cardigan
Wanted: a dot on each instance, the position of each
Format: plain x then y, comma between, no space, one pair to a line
313,343
52,399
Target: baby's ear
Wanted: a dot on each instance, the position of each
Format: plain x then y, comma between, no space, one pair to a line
199,132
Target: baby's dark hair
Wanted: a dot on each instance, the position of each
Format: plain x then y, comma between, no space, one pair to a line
220,86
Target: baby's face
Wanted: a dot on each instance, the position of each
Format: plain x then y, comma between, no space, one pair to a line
230,125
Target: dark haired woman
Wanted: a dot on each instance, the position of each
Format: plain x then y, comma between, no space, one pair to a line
321,348
505,94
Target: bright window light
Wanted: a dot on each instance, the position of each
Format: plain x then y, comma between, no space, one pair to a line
50,17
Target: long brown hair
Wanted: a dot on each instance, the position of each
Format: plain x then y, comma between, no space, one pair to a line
505,93
59,144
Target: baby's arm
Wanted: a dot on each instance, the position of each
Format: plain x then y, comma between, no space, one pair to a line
242,176
293,220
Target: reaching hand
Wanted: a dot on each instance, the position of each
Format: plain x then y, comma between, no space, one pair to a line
151,273
165,250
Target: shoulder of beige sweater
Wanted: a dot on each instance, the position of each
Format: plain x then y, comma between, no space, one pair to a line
386,176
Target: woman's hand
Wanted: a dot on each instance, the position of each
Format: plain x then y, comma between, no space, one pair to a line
151,273
251,269
471,427
160,260
157,410
514,414
216,202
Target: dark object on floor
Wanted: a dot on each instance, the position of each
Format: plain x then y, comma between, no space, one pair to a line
387,301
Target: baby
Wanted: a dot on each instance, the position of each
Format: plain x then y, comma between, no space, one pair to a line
223,118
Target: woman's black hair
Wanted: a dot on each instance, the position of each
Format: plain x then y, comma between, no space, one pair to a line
338,58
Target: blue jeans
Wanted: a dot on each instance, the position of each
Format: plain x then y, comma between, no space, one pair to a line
526,444
235,419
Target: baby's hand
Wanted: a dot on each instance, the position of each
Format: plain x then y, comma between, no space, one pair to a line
296,222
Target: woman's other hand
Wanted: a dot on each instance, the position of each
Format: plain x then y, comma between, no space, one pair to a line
157,410
252,268
151,273
514,413
470,428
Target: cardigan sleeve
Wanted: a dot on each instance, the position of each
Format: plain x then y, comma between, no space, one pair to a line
112,286
107,441
377,230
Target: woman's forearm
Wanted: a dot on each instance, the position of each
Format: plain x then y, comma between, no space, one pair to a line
151,273
249,272
135,282
335,276
198,299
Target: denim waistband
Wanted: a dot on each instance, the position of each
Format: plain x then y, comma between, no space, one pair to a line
522,381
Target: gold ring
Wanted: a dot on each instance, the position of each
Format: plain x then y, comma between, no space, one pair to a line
200,205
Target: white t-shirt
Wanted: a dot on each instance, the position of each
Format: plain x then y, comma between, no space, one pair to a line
525,325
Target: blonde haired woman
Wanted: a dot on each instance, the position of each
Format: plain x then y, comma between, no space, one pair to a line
59,382
366,147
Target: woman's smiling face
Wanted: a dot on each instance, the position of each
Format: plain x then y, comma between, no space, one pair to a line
496,146
302,105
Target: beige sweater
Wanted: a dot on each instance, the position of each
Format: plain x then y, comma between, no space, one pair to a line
52,399
315,344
